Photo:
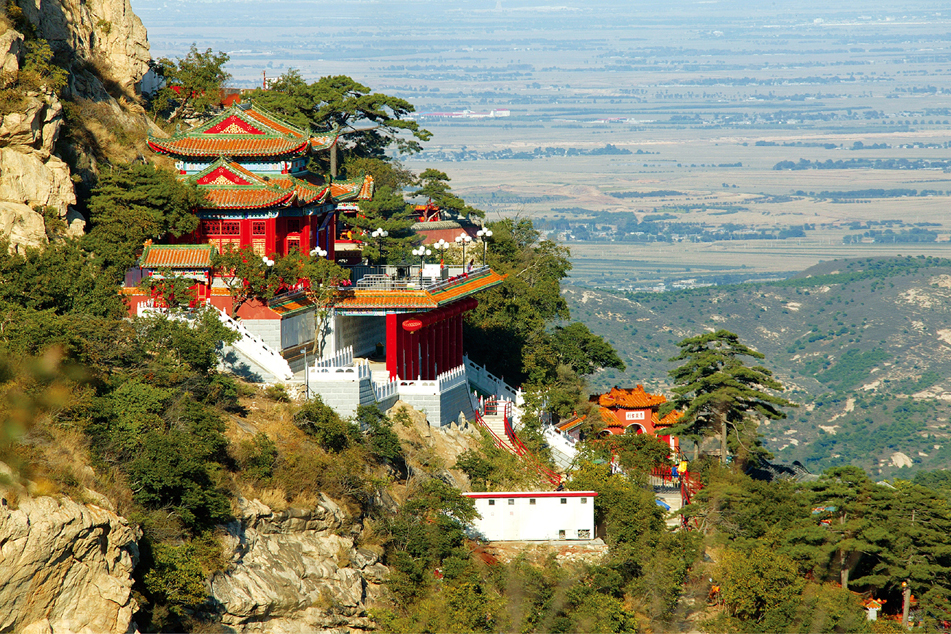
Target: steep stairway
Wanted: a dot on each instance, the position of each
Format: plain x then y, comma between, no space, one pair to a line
495,417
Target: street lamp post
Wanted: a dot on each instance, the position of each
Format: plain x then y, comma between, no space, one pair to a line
484,234
379,233
441,247
463,239
268,263
422,252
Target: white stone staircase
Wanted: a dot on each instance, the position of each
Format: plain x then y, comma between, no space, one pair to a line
255,350
496,424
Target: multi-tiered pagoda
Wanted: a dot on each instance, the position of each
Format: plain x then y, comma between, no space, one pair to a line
252,168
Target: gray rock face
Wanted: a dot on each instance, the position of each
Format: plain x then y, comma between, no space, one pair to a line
293,571
104,33
65,567
30,175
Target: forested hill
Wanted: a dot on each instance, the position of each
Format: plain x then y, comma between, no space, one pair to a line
863,345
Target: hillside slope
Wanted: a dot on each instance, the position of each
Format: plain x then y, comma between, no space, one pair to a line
863,345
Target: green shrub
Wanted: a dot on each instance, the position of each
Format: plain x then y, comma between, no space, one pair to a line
176,578
277,393
324,425
257,457
381,441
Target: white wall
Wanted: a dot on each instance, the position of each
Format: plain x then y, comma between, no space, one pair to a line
556,515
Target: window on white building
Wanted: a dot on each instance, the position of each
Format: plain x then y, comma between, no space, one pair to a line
584,533
491,502
584,500
511,501
531,501
564,500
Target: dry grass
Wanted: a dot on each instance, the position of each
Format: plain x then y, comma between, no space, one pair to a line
114,132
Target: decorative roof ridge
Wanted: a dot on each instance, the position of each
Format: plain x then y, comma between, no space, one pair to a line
334,132
305,132
257,181
236,110
200,245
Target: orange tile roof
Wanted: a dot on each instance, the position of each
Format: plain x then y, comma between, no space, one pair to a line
269,120
345,190
381,300
324,141
420,300
246,198
229,185
290,304
571,423
468,286
668,420
231,146
243,130
184,256
635,398
366,192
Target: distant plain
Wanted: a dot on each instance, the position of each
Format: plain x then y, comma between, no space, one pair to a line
694,87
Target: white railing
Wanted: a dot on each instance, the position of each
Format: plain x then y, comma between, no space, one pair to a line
385,390
560,444
250,345
255,349
492,384
324,375
340,359
442,383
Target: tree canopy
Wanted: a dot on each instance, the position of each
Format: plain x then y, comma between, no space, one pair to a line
134,203
434,187
192,84
369,122
716,391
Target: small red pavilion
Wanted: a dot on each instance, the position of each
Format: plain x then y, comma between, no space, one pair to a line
628,411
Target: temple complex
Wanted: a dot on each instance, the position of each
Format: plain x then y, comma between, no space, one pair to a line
252,169
390,333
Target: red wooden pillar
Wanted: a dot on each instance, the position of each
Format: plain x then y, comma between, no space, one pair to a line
393,341
424,351
412,356
456,344
440,365
460,351
431,345
447,363
450,334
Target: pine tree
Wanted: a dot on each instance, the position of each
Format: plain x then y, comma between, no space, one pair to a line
716,390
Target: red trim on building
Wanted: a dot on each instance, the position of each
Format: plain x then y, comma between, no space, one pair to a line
533,494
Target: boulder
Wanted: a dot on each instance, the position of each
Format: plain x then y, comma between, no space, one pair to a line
35,126
27,178
295,570
65,567
11,48
23,227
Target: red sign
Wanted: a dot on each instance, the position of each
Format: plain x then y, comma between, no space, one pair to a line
412,325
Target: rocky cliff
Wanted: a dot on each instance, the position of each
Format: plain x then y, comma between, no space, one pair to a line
296,570
65,567
103,34
103,45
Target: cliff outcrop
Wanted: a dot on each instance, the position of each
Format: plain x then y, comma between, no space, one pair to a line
296,570
65,567
102,34
103,46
